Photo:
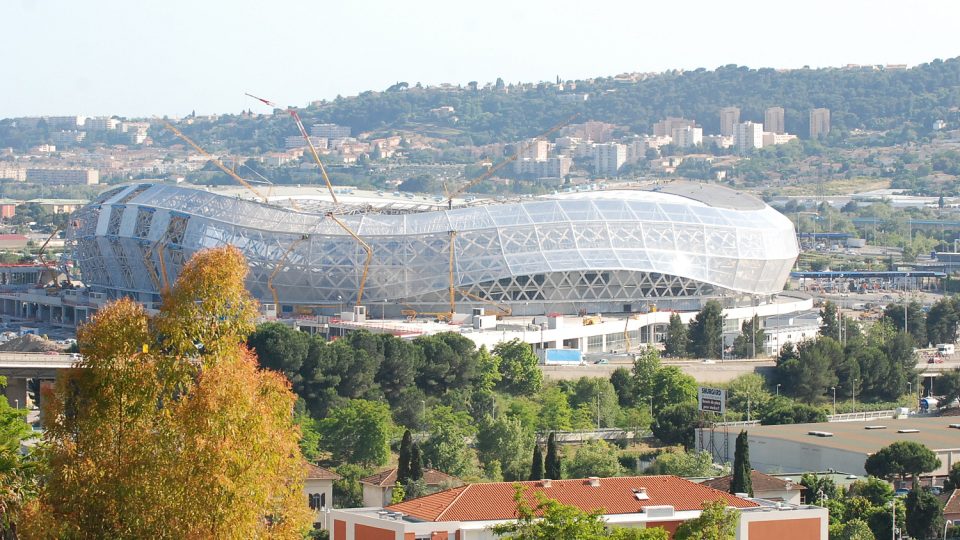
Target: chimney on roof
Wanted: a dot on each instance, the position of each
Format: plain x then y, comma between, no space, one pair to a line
594,481
546,482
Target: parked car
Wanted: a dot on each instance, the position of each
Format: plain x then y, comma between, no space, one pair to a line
602,361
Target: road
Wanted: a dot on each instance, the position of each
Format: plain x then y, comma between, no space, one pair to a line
703,372
716,372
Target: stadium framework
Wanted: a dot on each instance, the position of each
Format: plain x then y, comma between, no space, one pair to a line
617,250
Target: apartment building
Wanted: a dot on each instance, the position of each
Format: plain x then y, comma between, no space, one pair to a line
688,137
608,158
665,127
748,136
729,118
819,123
330,131
773,120
63,176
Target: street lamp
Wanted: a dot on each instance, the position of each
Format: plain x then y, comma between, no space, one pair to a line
834,388
340,304
778,389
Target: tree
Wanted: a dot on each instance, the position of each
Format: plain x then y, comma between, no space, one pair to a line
555,412
675,424
348,492
550,520
750,340
18,478
741,482
596,400
748,392
924,514
942,320
449,362
594,458
403,459
831,321
691,463
705,335
536,467
624,385
902,459
552,466
644,372
506,441
358,432
855,529
786,412
446,447
878,492
169,429
916,323
716,522
815,374
416,463
953,478
281,348
670,385
676,342
519,368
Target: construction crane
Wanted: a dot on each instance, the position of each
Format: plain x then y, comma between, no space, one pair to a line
306,137
490,172
366,247
216,162
453,296
279,266
43,248
503,310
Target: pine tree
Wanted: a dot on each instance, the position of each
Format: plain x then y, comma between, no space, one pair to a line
741,482
416,463
403,464
536,468
676,343
552,463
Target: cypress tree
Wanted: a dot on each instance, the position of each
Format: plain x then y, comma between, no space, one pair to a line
403,466
536,468
552,464
416,463
741,482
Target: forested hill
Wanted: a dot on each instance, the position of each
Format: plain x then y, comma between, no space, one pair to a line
857,98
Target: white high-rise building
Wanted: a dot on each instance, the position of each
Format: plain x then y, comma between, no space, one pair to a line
729,118
608,158
687,137
748,136
773,120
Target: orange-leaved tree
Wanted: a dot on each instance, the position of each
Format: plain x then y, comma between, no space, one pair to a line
168,429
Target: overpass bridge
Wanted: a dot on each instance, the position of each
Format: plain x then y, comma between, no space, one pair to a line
18,367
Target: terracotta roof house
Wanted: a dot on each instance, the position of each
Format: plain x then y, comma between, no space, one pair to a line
318,487
765,486
378,489
951,508
468,512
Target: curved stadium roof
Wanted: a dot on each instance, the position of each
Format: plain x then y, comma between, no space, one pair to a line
563,251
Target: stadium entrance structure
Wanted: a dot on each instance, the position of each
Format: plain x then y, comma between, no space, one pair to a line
599,251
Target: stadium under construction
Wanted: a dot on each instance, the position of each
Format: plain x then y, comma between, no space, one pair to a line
480,264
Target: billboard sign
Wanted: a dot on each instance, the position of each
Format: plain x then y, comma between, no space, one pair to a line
563,357
712,400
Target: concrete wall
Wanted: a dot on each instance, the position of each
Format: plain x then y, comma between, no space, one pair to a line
798,524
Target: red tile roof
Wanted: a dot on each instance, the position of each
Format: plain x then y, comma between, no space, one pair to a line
953,503
431,477
493,501
319,473
760,481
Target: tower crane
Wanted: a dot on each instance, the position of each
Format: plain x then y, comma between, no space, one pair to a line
306,137
490,172
366,247
278,267
216,162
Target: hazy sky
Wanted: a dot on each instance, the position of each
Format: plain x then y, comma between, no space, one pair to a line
155,57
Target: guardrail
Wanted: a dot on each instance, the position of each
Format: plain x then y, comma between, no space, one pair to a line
858,416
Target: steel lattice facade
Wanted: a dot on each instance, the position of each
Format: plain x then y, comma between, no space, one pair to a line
597,251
